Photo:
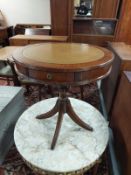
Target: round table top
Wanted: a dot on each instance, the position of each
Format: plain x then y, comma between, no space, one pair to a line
77,149
62,56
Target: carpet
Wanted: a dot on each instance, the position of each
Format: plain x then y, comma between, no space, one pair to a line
14,165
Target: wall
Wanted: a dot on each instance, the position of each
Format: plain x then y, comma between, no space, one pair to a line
26,11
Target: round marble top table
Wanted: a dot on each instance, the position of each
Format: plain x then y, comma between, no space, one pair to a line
77,149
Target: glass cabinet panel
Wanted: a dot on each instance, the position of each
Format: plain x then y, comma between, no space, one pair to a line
94,27
83,7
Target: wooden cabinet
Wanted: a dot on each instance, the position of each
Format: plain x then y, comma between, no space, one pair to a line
106,9
59,16
22,40
124,27
106,21
122,62
99,25
121,122
5,33
21,28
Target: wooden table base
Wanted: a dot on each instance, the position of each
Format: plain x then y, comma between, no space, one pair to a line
62,106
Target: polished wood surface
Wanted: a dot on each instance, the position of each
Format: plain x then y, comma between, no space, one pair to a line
119,10
81,30
19,40
62,53
7,52
97,39
59,17
121,120
123,51
122,62
123,33
105,9
64,63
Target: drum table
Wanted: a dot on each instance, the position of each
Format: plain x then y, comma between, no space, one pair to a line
63,64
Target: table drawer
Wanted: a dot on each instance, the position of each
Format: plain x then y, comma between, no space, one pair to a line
52,77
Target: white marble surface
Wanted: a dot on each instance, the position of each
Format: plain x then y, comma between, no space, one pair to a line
76,147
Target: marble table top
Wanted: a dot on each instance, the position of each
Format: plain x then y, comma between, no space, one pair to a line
77,149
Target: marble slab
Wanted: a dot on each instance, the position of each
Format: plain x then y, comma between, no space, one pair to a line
7,93
77,149
12,105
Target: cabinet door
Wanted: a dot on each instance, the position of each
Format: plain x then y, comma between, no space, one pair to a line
124,27
59,17
105,8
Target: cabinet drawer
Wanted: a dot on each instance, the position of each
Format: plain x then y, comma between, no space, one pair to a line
18,42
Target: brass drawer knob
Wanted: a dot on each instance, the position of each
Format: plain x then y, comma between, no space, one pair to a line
49,76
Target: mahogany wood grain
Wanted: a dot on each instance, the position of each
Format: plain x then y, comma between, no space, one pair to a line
105,9
121,62
59,17
120,122
21,40
83,32
123,33
92,39
64,63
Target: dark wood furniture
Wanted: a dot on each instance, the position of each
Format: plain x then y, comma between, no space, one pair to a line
64,64
121,122
20,28
59,17
21,40
37,31
106,22
5,33
96,28
122,62
12,105
123,31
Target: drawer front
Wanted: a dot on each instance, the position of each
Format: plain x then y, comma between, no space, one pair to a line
18,42
52,77
47,76
35,41
76,78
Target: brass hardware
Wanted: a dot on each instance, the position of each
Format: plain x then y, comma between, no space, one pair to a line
49,76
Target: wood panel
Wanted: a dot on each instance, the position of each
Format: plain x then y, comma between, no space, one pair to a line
122,62
21,40
124,27
92,39
105,9
59,17
120,122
